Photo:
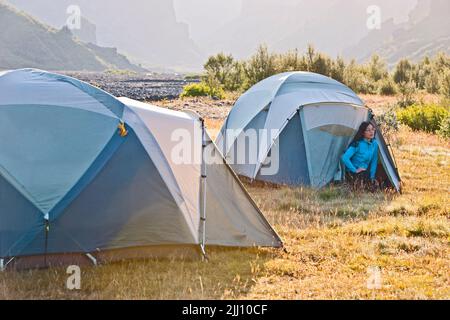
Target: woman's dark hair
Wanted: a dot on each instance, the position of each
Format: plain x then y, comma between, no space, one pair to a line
360,133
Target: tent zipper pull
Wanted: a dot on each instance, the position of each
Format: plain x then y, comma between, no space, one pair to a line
123,132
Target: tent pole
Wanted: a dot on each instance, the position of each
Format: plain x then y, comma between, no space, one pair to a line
47,228
203,193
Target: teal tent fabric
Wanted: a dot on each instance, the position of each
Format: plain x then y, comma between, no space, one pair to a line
83,172
61,149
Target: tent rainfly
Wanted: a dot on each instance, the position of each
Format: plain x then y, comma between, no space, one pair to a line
86,177
293,127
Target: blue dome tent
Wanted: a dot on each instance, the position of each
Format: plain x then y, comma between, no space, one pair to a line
85,176
293,127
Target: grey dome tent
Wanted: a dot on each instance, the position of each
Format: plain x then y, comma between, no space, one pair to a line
86,177
293,127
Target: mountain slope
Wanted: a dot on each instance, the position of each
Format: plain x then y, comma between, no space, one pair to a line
147,31
426,33
331,25
29,43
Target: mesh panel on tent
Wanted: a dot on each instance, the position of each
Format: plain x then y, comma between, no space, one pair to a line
327,132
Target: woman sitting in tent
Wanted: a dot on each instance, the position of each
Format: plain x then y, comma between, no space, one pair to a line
361,158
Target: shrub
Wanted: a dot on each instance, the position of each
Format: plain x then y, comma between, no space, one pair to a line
225,70
388,122
202,89
432,83
423,70
431,74
428,118
403,71
290,61
317,62
445,84
444,130
337,69
387,87
355,77
406,92
377,68
260,66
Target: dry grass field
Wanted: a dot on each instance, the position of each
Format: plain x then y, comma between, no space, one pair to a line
333,239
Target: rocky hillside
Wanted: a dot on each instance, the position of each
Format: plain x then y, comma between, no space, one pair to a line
426,33
331,25
25,42
146,31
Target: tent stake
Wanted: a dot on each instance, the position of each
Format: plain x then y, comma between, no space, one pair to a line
4,265
92,258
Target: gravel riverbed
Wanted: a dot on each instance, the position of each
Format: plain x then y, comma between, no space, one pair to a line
142,87
159,89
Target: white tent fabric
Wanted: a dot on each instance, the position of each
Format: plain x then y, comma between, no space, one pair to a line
233,219
282,94
164,125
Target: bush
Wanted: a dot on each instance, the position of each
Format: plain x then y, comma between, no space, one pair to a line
225,70
445,84
432,83
260,66
377,68
388,122
428,118
202,89
406,91
387,87
372,77
338,69
356,77
444,130
317,62
290,61
403,71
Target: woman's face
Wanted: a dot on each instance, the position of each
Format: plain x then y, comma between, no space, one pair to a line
370,132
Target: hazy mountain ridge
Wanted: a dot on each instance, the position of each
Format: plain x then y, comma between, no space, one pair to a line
146,31
151,32
332,26
26,42
426,33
